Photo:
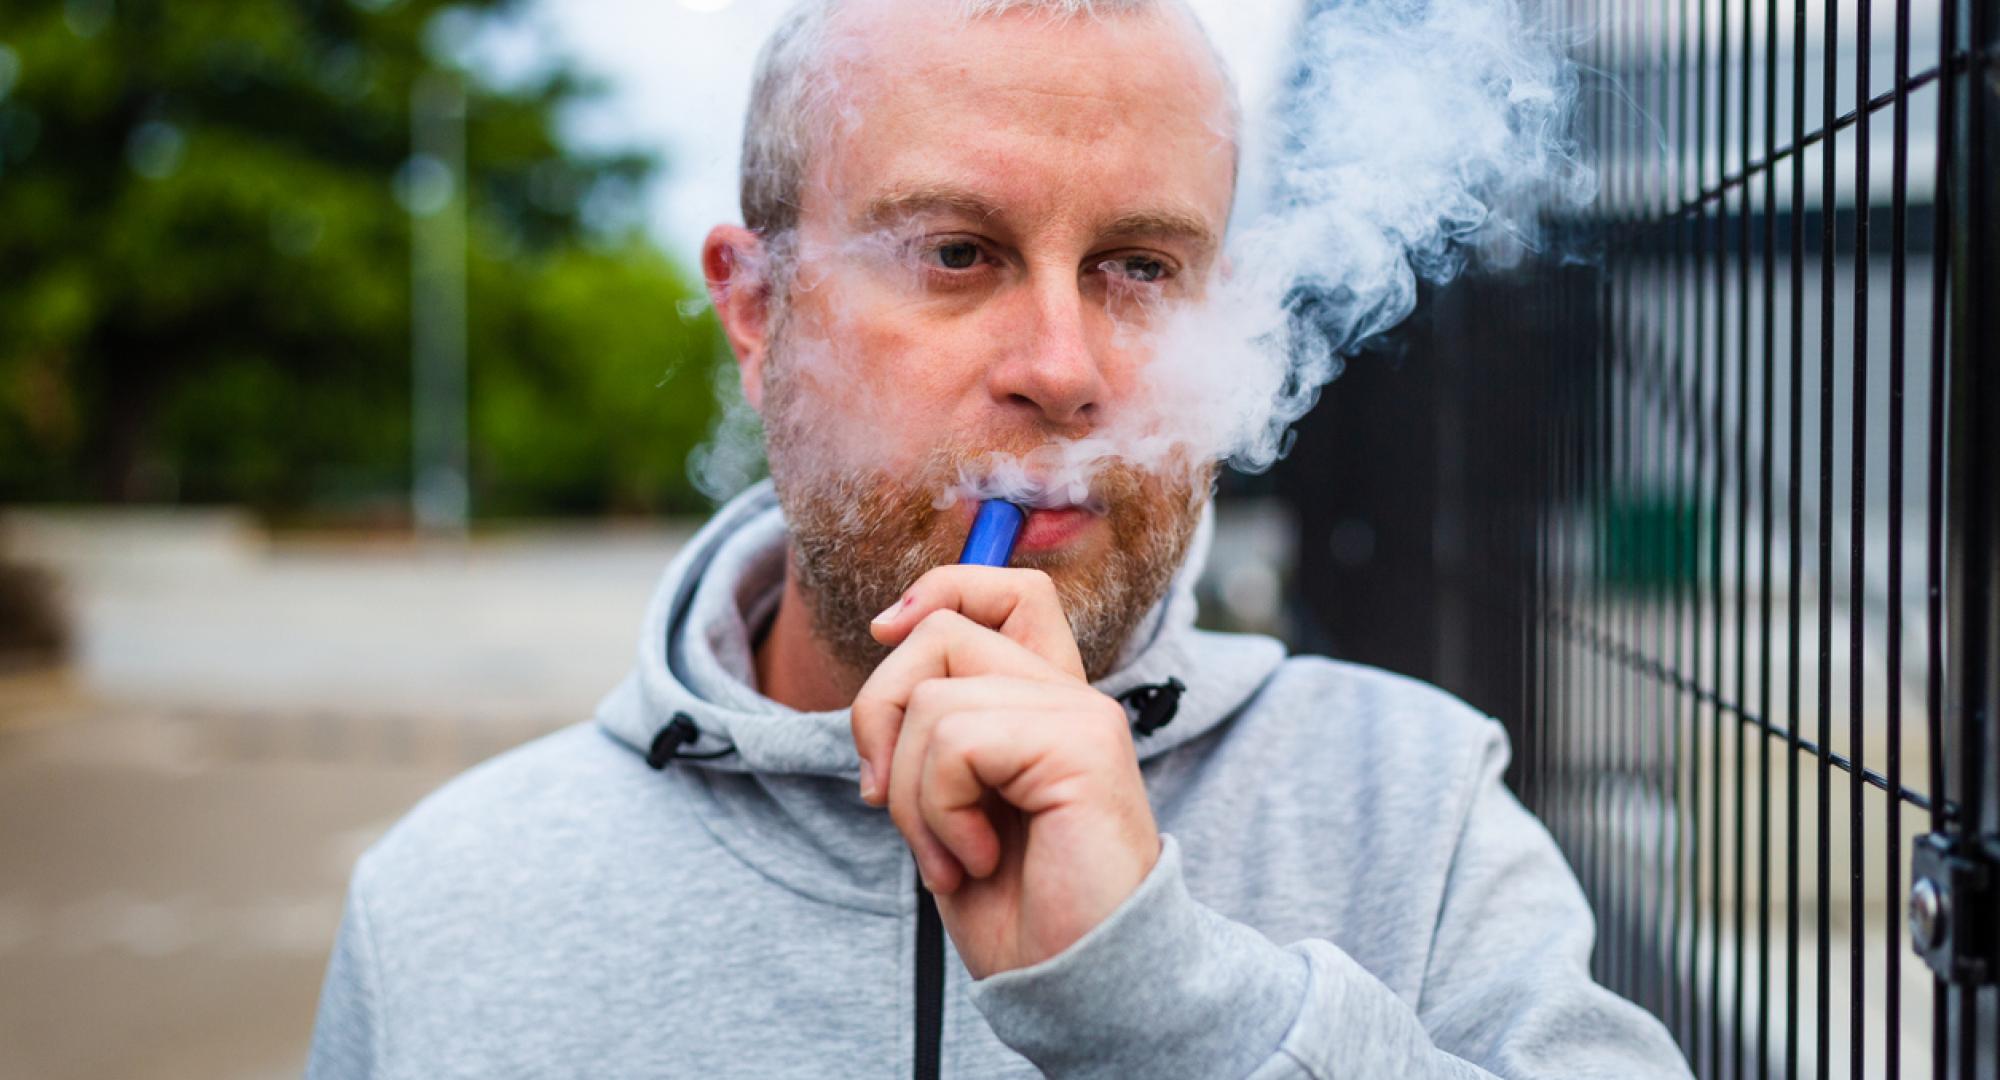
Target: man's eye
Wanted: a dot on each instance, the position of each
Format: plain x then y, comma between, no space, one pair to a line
1140,268
959,255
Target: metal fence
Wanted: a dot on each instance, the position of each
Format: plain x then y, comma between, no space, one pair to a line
1708,516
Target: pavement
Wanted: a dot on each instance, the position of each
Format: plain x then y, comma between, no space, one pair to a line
180,805
206,608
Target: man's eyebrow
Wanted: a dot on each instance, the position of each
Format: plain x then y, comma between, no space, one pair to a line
901,204
1168,223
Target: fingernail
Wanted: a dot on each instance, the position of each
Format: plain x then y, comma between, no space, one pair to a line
890,611
867,781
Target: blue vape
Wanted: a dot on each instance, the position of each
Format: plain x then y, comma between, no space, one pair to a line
991,541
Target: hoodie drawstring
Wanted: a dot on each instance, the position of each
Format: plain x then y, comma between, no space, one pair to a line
1151,706
679,732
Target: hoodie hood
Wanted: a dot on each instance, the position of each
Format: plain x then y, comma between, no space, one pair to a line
695,658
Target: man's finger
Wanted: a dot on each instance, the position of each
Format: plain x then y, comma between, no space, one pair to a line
1020,604
970,754
1025,745
945,645
965,739
940,869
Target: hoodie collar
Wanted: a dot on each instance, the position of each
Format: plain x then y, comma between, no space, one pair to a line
695,657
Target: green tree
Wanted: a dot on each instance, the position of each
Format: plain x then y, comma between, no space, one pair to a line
205,268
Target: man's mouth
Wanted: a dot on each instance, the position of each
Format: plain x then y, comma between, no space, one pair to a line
1052,527
1051,521
1059,509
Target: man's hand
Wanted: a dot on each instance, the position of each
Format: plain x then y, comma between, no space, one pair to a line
1014,782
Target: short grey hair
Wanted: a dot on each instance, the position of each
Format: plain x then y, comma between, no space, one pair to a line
791,96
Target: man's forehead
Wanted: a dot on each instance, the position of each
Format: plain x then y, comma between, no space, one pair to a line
934,112
874,47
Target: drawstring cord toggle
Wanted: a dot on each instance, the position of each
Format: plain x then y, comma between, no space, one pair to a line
1152,705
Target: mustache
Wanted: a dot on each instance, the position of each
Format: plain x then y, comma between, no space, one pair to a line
1044,474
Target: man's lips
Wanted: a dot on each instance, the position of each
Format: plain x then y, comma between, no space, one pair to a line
1052,528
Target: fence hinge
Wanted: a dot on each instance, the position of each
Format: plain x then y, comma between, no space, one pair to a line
1955,907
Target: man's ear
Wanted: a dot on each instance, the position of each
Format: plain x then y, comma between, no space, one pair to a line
735,264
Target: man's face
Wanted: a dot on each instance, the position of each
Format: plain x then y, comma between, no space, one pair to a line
983,241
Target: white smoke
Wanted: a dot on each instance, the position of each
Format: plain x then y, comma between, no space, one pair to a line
1420,133
731,458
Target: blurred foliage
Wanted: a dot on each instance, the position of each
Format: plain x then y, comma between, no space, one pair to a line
205,267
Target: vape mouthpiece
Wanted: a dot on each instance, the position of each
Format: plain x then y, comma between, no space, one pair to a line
991,541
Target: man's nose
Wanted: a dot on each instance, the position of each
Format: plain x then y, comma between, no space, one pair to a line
1053,370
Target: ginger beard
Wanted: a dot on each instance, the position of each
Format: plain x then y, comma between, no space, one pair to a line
860,535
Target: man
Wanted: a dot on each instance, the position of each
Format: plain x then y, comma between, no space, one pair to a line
1058,829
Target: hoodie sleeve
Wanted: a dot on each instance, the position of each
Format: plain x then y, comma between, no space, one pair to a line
347,1034
1168,987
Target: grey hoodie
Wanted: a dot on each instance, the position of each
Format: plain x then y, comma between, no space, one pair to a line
1345,889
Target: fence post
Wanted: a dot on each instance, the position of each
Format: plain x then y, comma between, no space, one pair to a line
1955,903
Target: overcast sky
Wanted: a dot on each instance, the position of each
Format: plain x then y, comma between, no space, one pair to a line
680,72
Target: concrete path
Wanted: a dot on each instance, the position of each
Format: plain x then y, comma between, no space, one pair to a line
180,809
204,608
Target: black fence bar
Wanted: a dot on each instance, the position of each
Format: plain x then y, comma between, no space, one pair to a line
1972,745
1767,351
1892,862
1935,497
1857,825
1794,580
1707,509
